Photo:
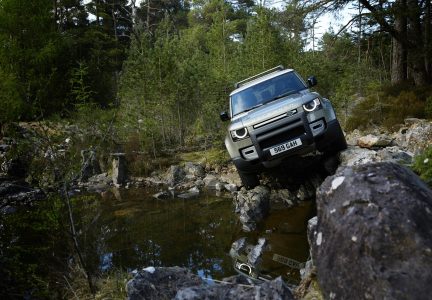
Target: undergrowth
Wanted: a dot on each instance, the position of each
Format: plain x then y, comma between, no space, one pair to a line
389,106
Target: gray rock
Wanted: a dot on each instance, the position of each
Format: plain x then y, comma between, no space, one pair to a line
212,181
415,137
163,283
374,141
395,154
194,170
373,234
179,283
252,205
175,175
354,156
231,176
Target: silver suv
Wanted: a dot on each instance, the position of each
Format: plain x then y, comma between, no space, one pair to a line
274,116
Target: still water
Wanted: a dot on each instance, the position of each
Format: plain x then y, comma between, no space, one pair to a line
128,229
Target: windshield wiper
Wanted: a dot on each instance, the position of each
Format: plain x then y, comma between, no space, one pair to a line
253,107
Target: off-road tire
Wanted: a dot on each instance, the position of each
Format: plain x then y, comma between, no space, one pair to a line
337,145
249,180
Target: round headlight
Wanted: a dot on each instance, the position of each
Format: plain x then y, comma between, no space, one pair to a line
239,134
311,106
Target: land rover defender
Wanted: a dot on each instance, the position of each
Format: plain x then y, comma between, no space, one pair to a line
274,116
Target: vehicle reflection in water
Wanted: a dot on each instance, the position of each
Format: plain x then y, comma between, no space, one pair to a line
128,229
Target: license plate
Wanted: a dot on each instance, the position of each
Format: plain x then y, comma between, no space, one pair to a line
285,146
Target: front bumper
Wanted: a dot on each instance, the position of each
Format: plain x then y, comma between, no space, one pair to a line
317,135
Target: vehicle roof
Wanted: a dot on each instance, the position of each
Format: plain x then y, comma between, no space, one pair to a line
260,79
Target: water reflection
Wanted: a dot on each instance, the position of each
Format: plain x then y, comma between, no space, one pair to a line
133,230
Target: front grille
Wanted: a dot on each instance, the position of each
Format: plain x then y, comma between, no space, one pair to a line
282,137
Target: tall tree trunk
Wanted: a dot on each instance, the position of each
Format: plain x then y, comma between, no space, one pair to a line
399,51
428,40
417,51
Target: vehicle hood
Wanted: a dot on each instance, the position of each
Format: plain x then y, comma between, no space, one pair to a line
271,110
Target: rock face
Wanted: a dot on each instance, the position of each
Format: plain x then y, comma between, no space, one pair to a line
375,239
252,205
179,283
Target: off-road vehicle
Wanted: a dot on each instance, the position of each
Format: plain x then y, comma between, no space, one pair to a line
274,116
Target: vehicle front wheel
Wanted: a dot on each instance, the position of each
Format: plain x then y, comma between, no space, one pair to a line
249,180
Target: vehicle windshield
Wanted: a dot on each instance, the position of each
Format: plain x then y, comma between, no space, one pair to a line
265,92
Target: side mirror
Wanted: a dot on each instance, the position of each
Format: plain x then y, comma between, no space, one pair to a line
312,81
224,116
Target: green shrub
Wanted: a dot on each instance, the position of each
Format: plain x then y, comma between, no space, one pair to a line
423,165
386,109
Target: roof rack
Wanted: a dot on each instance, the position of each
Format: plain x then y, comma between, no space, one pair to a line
240,83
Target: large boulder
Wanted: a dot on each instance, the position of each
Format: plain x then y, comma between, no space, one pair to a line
179,283
373,238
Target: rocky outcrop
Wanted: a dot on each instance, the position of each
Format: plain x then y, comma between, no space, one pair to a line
415,136
374,239
179,283
412,139
252,206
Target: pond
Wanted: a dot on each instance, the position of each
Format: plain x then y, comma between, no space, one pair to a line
129,229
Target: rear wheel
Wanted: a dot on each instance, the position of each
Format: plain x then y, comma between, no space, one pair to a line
249,180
